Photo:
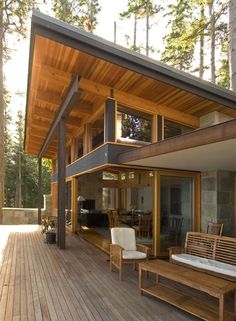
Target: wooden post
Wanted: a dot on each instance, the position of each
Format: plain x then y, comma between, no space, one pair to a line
74,203
74,149
87,139
154,129
61,229
160,128
110,120
39,190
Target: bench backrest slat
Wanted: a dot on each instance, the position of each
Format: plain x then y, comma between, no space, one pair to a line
199,245
226,251
219,248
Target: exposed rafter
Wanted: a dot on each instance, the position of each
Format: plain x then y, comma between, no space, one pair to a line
48,114
138,103
48,72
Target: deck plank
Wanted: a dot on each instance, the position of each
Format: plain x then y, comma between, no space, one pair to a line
39,282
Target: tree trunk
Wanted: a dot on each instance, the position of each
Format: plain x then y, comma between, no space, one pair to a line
1,118
201,58
147,29
213,40
18,196
232,43
135,31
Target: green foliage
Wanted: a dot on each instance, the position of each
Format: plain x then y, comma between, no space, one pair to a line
81,13
48,225
22,169
140,9
223,74
14,14
136,128
179,47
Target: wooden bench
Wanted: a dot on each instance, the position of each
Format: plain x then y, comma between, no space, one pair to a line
210,249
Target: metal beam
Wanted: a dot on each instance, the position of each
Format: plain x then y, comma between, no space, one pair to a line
61,192
110,120
39,190
69,98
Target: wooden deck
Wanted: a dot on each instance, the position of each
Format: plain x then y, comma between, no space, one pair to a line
40,282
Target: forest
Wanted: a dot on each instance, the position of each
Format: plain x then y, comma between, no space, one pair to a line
198,37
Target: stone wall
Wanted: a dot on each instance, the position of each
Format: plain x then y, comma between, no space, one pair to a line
90,187
13,216
20,216
217,194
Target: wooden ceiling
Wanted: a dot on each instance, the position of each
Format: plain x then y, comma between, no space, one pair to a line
53,65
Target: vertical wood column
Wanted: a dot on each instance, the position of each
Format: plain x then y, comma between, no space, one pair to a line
74,149
87,139
74,204
39,191
54,166
156,213
110,120
160,128
154,129
61,229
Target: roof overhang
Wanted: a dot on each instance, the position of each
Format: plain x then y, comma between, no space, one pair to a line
202,150
58,51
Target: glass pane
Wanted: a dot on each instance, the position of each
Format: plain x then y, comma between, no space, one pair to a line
172,129
133,125
68,204
176,210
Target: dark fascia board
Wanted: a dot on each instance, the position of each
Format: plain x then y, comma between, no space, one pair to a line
96,46
200,137
103,155
31,51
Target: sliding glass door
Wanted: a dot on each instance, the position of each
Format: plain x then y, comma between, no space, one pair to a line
177,208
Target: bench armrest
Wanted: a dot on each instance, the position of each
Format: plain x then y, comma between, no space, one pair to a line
143,248
175,250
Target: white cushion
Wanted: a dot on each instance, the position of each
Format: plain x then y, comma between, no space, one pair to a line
206,264
125,237
133,255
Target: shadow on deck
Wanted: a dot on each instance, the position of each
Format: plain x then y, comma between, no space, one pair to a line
40,282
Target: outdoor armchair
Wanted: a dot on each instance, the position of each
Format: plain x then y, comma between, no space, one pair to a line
124,249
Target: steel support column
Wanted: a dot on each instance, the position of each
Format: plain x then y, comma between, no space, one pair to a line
61,229
39,190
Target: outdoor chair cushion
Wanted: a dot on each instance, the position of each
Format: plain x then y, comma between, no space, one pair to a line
207,264
125,237
134,255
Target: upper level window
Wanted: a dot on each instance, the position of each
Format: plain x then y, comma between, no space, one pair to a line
110,176
133,125
172,129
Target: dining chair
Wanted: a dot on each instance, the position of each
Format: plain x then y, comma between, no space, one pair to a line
143,227
215,228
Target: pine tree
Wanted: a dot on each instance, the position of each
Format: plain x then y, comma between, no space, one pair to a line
232,41
132,12
21,182
179,48
81,13
223,73
12,20
147,10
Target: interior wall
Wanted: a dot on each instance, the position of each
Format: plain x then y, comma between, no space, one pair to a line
90,187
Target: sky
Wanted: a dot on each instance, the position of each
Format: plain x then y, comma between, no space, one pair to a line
16,69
